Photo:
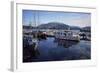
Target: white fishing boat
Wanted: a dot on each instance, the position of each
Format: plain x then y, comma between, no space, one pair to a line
67,35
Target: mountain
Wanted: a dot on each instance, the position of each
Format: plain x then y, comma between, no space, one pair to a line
75,28
58,25
86,29
53,25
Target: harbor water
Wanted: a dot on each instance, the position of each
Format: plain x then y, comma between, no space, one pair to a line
51,49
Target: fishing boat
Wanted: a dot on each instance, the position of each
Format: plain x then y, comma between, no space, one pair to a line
67,35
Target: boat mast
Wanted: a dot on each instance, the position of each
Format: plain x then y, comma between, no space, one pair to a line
34,15
36,22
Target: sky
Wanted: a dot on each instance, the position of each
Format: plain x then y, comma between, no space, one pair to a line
36,18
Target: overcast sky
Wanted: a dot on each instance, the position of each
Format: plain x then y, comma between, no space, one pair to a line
69,18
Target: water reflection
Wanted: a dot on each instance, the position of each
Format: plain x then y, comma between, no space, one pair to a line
65,43
52,49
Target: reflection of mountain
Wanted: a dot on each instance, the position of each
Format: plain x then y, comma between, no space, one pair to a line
53,25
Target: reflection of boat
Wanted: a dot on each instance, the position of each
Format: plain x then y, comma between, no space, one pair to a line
29,48
35,41
29,40
67,35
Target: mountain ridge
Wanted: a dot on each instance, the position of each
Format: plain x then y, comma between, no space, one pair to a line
59,25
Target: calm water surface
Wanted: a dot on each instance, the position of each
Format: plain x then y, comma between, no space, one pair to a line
55,50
